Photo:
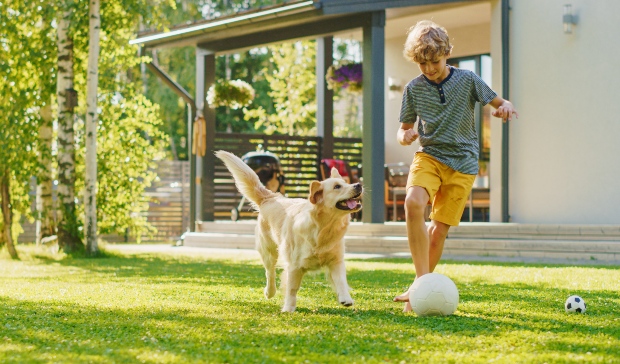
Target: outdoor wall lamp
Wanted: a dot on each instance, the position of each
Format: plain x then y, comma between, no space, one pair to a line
569,19
395,87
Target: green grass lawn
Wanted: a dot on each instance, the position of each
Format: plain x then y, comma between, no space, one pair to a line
157,308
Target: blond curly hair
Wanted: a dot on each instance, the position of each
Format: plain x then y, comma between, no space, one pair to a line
426,41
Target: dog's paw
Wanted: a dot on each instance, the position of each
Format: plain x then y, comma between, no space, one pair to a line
288,308
270,292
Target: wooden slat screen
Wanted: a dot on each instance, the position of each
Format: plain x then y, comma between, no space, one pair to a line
169,203
299,156
169,206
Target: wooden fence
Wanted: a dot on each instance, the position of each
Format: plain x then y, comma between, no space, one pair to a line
169,202
170,197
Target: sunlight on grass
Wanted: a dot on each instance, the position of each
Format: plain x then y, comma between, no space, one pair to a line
190,309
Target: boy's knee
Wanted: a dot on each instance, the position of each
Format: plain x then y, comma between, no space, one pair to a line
438,229
415,204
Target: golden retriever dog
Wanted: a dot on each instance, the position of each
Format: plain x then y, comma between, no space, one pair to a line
305,234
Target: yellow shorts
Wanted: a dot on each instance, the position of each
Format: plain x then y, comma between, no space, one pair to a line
448,190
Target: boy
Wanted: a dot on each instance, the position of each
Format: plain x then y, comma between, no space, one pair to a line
442,100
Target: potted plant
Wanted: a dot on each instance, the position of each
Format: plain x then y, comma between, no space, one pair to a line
234,94
346,75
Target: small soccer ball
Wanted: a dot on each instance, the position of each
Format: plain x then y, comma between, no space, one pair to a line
575,304
433,294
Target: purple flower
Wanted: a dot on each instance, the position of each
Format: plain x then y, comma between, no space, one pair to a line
345,75
349,73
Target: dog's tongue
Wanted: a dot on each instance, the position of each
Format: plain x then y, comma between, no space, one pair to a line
351,204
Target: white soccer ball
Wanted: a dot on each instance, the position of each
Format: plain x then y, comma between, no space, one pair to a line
433,294
575,304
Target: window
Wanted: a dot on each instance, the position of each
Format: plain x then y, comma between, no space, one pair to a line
480,65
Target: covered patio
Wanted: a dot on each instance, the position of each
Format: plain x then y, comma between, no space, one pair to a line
319,20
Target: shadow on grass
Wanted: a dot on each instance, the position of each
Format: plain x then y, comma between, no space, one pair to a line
201,323
164,269
473,261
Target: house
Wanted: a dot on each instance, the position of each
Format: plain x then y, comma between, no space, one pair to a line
553,59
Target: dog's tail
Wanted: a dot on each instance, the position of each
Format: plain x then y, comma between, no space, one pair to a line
246,179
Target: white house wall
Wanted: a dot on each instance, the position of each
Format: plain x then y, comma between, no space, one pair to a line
565,146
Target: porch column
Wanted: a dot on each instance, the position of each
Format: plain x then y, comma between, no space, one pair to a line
191,111
373,149
505,95
205,166
499,163
324,96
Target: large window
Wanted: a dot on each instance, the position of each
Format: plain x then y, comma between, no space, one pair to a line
481,65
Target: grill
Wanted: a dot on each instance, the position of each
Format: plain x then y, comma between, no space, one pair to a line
269,170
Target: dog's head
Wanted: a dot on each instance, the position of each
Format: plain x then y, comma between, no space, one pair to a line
335,193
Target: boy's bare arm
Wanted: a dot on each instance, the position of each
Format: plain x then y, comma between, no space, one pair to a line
406,134
503,109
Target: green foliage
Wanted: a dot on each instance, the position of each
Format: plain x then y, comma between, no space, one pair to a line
248,66
179,64
129,139
293,86
129,144
210,308
210,9
233,94
27,61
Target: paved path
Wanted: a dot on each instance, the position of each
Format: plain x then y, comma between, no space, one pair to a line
219,252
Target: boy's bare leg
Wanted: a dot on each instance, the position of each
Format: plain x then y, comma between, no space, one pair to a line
435,234
438,232
417,233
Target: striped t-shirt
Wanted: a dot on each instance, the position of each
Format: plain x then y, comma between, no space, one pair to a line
446,116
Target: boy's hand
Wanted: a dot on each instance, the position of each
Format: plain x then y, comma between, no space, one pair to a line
505,111
410,136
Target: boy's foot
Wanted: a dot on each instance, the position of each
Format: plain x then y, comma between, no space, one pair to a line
402,298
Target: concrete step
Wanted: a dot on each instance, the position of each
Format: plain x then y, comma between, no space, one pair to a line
544,250
536,232
465,230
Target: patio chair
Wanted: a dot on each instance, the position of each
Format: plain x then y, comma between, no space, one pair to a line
396,175
342,166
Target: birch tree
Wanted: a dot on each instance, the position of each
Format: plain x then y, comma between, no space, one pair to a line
90,191
90,180
45,225
68,238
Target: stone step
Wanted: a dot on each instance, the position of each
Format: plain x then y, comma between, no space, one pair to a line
603,251
537,232
464,231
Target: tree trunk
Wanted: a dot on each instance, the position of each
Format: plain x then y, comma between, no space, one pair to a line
68,238
90,193
7,214
45,225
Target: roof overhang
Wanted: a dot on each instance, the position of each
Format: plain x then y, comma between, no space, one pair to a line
278,23
250,22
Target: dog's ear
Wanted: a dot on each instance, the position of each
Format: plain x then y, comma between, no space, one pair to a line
316,192
335,173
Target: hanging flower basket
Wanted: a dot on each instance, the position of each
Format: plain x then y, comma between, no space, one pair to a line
347,75
234,94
